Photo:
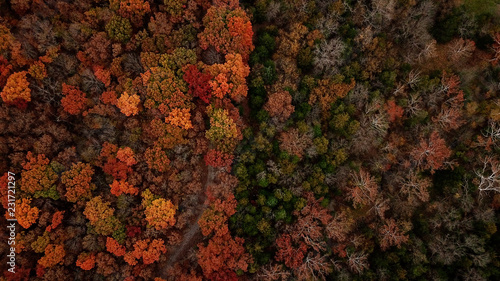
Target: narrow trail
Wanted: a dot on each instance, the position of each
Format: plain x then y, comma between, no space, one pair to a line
189,235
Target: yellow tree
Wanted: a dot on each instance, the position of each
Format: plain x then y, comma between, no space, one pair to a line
223,131
160,213
101,216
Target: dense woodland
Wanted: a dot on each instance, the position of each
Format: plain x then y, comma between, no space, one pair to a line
255,140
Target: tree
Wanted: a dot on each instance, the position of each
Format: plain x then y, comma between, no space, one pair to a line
314,267
25,214
228,30
280,105
310,222
114,247
164,90
415,187
74,100
157,159
294,142
180,117
357,261
339,227
86,261
128,104
391,235
38,71
101,216
56,221
217,158
432,153
291,255
229,78
393,110
54,254
273,272
160,214
126,155
5,69
364,188
119,29
120,187
16,91
223,253
78,182
223,131
109,97
134,10
38,177
328,56
103,75
149,250
461,49
489,175
213,221
110,163
449,118
327,92
198,83
496,49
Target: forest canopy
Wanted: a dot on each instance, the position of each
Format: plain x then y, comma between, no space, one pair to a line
250,140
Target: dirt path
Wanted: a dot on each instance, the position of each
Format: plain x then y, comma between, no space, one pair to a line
180,251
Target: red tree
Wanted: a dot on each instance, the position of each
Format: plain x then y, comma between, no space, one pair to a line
217,158
431,153
74,100
291,255
198,83
391,235
222,254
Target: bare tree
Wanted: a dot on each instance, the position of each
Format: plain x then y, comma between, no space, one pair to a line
489,175
327,57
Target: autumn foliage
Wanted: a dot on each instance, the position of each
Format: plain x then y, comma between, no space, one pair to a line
39,178
114,247
86,261
198,83
228,30
54,254
16,90
128,104
160,213
74,100
432,153
148,250
25,214
180,117
280,105
78,182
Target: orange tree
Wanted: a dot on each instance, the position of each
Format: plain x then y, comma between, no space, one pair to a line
228,30
16,90
160,213
78,182
39,177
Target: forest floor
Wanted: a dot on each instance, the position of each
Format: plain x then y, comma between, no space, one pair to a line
191,235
